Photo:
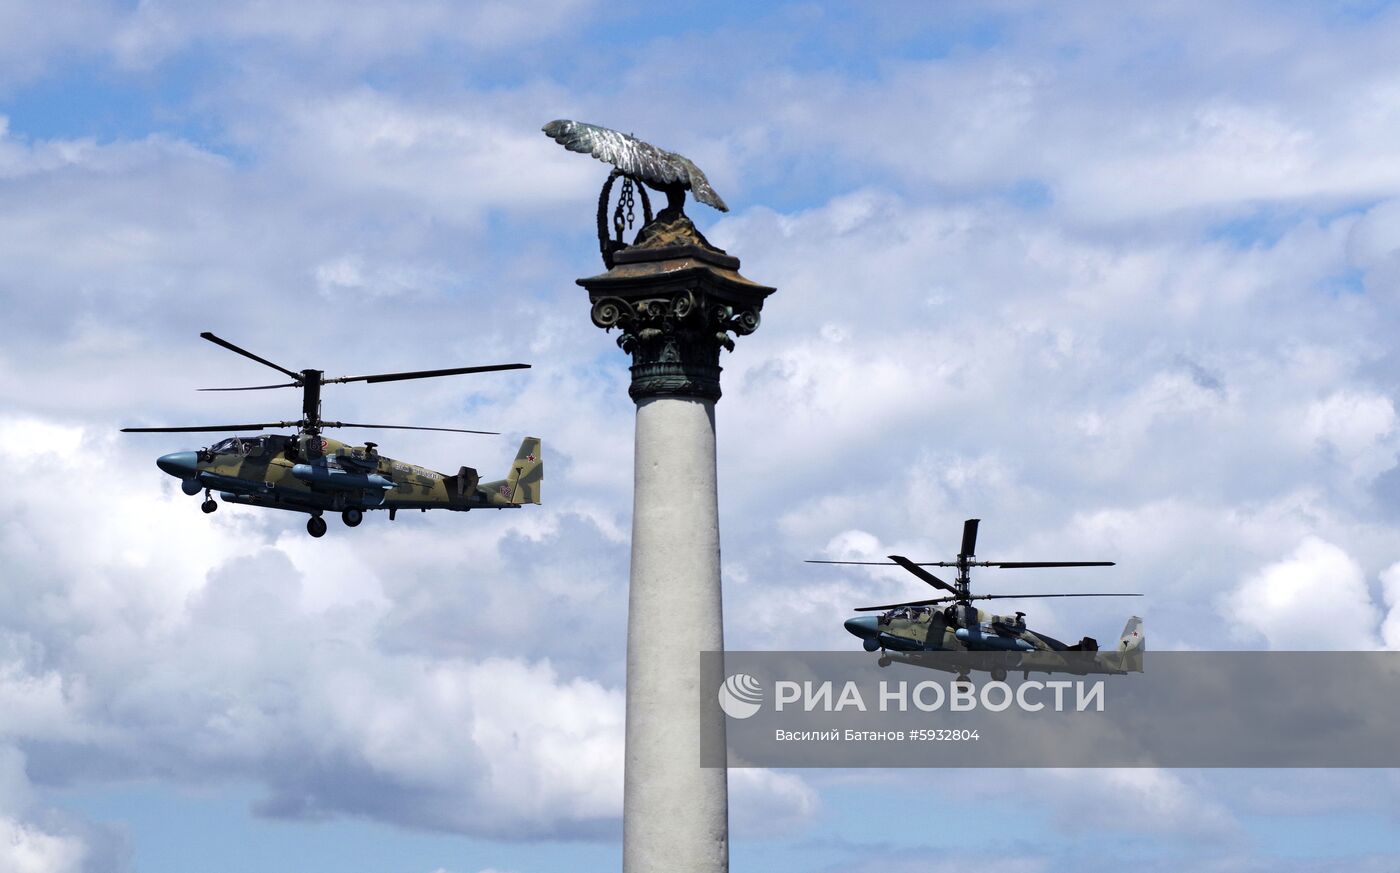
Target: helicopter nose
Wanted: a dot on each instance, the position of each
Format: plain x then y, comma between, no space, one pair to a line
181,465
863,626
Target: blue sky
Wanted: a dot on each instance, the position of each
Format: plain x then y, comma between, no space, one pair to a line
1121,280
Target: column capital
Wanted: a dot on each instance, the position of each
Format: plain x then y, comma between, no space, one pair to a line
676,300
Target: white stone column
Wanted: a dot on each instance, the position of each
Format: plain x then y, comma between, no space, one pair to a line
675,812
677,302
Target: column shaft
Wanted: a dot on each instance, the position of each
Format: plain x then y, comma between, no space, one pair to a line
675,813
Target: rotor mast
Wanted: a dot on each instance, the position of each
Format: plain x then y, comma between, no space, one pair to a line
311,381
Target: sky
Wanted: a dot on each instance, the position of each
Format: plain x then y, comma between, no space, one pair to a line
1121,280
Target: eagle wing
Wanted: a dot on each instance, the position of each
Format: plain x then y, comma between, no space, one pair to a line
657,167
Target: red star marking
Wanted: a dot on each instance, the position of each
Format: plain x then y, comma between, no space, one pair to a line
529,457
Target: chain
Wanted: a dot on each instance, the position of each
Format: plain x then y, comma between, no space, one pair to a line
624,214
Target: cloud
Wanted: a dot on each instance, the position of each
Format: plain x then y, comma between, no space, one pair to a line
38,839
1372,247
155,31
1390,593
25,849
33,34
1317,792
1359,429
1316,598
1138,800
208,648
1101,111
1119,281
1082,394
770,804
185,670
449,159
917,861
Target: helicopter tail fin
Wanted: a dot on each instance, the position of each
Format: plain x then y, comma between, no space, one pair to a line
1131,645
522,485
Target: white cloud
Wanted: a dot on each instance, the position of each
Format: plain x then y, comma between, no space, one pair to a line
1316,792
1087,106
1137,800
1390,592
450,160
769,804
1316,598
1374,246
26,849
222,645
1118,370
191,642
1360,428
356,37
28,843
33,33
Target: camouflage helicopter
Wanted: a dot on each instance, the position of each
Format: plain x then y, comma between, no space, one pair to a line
313,474
903,631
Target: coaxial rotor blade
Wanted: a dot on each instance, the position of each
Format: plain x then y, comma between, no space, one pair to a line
247,354
922,573
1021,596
255,387
427,374
404,427
1012,565
893,564
213,428
969,539
910,603
1007,564
901,561
937,600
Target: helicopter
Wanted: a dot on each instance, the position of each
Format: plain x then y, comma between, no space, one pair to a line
951,624
311,473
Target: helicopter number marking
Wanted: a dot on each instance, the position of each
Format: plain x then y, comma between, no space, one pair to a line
401,467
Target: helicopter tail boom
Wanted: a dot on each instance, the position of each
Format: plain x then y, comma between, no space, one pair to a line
522,485
1131,646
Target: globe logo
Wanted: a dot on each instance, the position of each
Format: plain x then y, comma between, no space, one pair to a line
740,696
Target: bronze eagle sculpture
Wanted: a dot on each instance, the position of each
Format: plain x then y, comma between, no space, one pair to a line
668,172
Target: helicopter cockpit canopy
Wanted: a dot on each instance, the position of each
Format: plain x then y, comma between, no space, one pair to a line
230,446
910,613
250,447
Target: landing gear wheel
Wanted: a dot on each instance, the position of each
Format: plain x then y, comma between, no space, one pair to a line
316,526
964,679
998,674
208,505
352,517
884,661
